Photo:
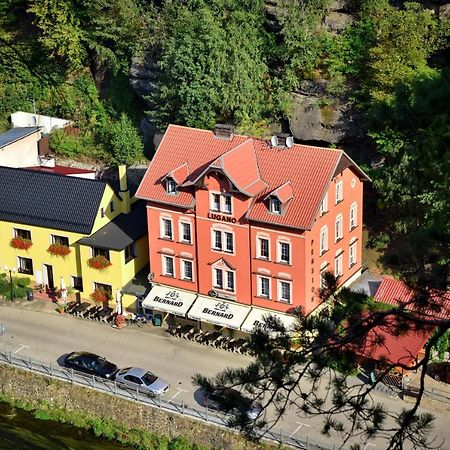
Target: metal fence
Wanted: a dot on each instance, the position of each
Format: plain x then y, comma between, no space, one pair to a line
113,388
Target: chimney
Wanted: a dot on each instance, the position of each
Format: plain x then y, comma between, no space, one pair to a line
124,191
223,131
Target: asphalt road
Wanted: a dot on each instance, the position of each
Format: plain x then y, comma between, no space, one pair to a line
45,336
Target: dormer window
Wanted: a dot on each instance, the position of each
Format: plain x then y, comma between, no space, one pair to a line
275,205
171,186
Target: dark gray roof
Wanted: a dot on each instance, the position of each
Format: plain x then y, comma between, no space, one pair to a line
121,231
49,200
14,134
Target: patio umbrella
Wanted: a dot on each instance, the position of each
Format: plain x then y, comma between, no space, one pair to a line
119,301
63,289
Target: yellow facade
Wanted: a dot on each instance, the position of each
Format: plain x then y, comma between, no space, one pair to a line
75,264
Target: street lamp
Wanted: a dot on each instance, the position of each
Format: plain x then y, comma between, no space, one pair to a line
11,271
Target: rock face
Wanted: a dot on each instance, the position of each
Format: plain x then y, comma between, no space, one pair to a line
317,119
143,75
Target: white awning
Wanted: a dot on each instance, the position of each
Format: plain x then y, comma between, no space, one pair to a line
219,312
256,319
168,299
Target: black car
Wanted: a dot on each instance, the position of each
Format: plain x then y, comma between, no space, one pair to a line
90,363
229,400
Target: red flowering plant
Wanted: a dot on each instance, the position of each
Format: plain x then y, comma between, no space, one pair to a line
20,243
120,321
59,250
100,296
99,262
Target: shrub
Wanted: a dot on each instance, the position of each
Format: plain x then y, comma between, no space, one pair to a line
126,144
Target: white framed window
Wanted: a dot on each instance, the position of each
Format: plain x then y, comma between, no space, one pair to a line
171,186
324,204
24,234
217,240
223,279
229,245
215,202
338,228
221,203
187,270
25,265
339,192
263,287
166,228
338,266
61,240
284,252
353,216
230,280
323,239
275,205
218,278
185,232
352,255
222,241
323,270
168,266
227,208
284,291
263,248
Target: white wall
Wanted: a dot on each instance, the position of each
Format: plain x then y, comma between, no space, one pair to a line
22,153
24,119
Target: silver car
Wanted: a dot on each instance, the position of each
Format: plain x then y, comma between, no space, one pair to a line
147,382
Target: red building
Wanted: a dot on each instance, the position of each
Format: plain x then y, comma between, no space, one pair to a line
251,221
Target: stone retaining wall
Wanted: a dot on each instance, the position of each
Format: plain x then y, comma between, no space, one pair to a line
33,388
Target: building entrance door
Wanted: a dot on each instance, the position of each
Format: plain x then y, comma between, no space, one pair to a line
51,282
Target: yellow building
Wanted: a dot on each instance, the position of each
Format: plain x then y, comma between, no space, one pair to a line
68,229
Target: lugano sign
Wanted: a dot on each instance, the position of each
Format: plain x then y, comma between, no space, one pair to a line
221,218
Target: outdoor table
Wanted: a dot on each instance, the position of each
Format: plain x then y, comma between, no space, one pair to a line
211,337
103,314
187,329
80,308
238,344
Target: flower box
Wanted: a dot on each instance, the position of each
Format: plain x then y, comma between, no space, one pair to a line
100,296
99,262
20,243
58,250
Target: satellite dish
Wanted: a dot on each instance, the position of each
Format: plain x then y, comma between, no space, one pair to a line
150,276
274,141
213,293
289,141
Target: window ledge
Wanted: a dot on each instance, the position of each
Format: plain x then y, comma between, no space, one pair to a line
167,275
338,239
185,242
261,258
287,302
166,239
283,263
263,297
353,228
323,252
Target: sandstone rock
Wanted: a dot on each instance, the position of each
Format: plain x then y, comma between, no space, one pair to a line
316,118
336,22
143,75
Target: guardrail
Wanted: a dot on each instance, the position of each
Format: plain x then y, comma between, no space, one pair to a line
113,388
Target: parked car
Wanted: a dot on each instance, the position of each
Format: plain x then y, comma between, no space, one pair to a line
229,400
440,371
90,363
146,381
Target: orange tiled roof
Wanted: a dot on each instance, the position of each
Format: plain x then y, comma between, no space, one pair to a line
397,293
253,165
283,192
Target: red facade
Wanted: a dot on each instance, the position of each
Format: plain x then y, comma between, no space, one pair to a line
249,222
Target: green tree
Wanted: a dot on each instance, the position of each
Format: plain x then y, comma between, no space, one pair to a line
404,39
126,144
99,33
212,61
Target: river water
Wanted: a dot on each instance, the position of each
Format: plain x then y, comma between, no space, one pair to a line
19,430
